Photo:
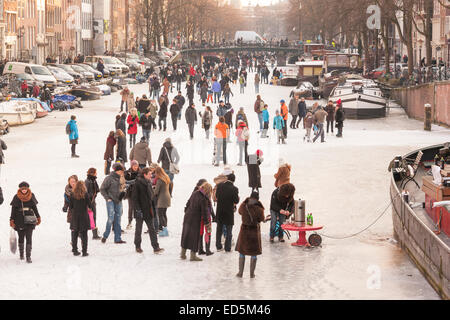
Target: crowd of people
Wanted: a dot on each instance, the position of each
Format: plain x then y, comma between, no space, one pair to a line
148,183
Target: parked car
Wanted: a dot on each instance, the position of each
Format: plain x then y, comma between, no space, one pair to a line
114,68
67,68
124,68
38,72
89,76
62,77
97,74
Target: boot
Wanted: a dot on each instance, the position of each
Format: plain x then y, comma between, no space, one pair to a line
183,254
252,267
200,248
241,267
21,251
95,235
194,257
208,250
28,252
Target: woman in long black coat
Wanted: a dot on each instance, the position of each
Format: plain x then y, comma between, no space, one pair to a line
80,223
249,239
197,208
254,174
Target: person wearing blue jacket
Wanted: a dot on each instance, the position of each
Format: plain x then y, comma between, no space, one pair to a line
278,125
265,115
216,87
73,135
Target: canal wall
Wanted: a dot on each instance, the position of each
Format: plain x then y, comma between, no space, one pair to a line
413,100
430,254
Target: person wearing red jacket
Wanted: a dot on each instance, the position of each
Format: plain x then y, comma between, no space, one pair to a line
133,121
284,113
36,90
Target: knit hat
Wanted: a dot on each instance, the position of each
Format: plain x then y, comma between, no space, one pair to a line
339,102
227,170
255,195
118,167
24,185
134,163
153,165
259,153
282,101
143,139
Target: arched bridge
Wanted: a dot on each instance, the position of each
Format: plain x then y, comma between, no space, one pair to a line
249,48
282,52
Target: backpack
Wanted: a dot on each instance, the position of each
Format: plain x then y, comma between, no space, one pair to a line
245,134
68,130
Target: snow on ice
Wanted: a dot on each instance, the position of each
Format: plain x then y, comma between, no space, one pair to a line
344,181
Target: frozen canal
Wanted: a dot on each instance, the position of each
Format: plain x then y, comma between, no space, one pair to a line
344,181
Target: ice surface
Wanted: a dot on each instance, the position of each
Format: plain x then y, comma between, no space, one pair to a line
344,181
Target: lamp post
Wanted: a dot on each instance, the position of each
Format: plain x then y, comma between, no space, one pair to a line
300,20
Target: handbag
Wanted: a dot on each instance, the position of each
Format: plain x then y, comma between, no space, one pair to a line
13,241
91,219
30,218
173,167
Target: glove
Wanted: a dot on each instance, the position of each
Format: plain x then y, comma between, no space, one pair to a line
12,224
64,209
38,221
208,228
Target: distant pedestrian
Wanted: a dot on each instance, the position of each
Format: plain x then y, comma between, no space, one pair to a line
340,117
191,119
72,131
174,112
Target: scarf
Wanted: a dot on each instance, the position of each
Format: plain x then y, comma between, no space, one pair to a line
68,190
24,197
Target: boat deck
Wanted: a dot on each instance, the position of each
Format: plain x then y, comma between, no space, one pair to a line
418,196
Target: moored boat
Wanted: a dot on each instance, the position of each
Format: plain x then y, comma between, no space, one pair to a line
361,99
18,112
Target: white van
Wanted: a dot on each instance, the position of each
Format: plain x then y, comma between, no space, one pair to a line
248,37
38,72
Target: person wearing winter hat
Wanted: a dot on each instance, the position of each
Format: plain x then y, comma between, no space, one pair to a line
249,239
242,134
340,117
93,189
113,190
227,195
23,208
254,174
